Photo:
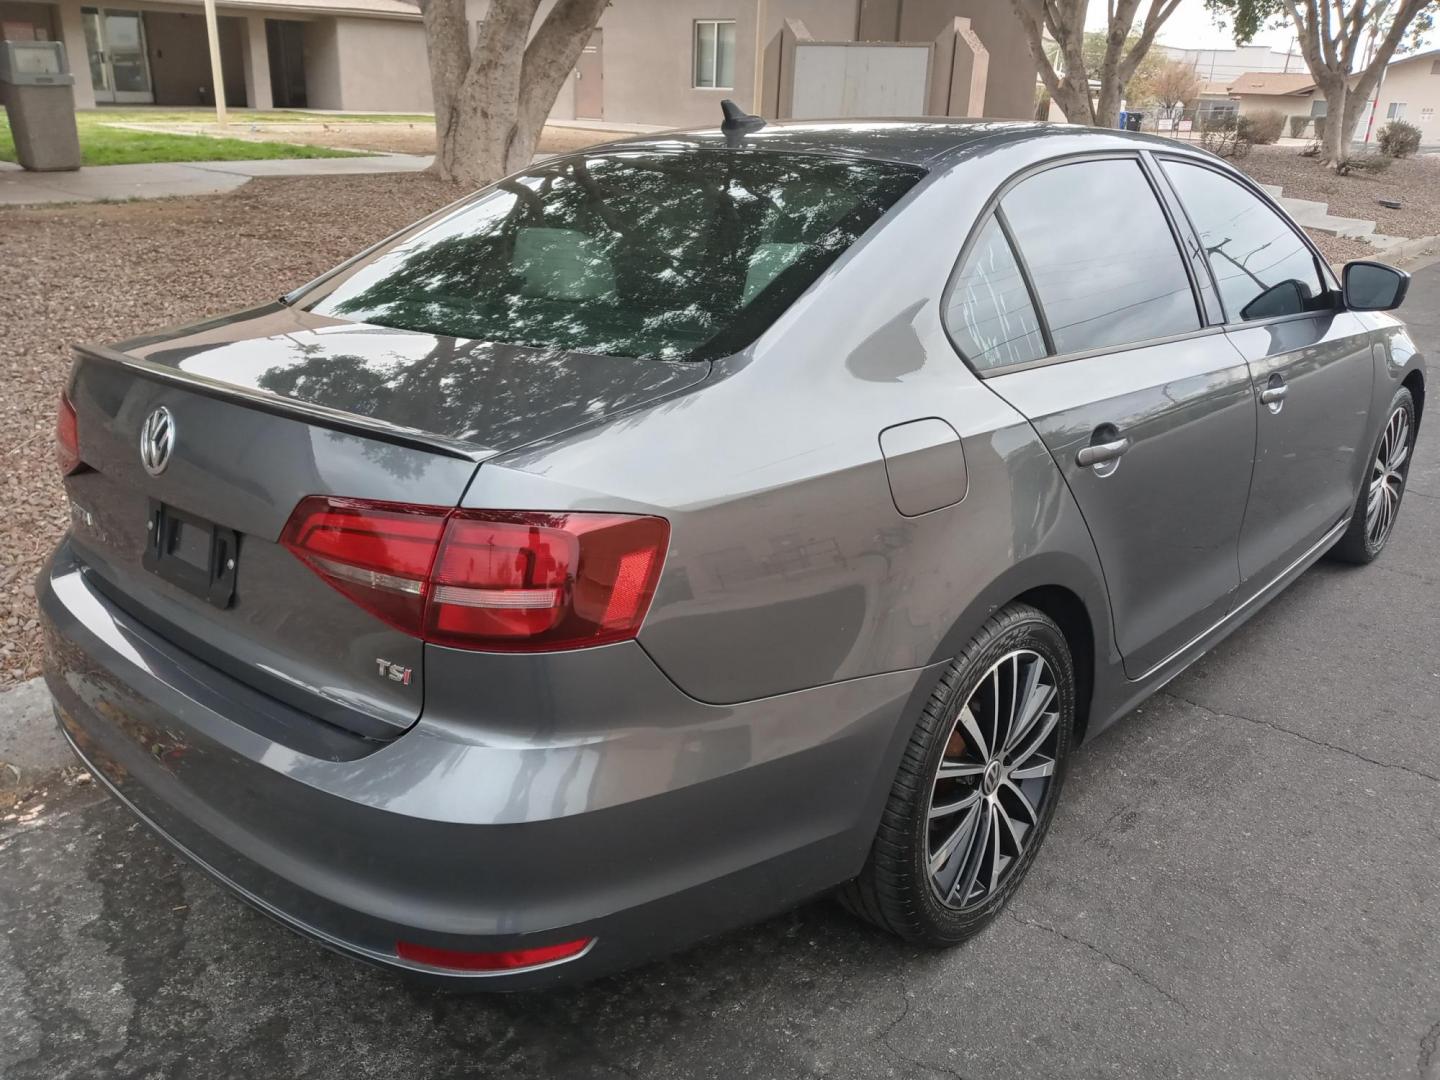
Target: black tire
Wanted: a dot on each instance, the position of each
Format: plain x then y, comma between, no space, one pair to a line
1363,541
897,890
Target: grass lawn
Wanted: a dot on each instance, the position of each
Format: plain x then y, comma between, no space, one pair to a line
101,144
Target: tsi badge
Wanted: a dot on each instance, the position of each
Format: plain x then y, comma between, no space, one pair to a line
393,672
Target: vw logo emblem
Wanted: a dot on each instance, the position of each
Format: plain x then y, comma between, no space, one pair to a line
157,440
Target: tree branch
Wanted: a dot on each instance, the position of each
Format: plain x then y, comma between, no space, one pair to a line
553,53
1159,11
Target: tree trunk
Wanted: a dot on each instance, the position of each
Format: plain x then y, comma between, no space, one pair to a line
491,100
1335,146
1074,102
1330,50
1355,103
1107,104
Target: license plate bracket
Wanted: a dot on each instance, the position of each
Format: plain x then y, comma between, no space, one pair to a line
195,554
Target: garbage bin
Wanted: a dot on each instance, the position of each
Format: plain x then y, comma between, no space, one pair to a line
1133,121
35,84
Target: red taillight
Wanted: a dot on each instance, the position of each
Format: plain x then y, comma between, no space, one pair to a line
67,436
455,960
377,554
500,580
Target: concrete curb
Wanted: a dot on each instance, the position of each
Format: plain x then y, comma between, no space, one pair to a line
31,746
1413,252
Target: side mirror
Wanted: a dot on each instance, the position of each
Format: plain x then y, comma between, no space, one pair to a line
1288,297
1373,286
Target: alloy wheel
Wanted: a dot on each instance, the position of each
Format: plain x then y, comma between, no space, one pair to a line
1387,478
989,790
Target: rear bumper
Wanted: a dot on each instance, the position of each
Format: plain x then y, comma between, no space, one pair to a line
614,807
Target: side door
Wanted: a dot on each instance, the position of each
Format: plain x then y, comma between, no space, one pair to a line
1310,362
1076,305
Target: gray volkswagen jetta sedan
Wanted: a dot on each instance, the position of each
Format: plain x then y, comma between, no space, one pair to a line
692,525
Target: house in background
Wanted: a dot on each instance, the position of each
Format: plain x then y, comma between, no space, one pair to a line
1214,102
1410,91
665,62
670,61
1290,95
1221,67
320,54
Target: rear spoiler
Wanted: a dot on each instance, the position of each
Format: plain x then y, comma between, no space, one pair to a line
277,404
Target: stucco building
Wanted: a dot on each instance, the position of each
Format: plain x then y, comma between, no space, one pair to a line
651,61
1410,91
1289,95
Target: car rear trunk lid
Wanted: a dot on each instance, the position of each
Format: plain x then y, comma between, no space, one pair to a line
274,405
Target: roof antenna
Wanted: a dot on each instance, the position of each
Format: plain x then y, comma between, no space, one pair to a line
737,123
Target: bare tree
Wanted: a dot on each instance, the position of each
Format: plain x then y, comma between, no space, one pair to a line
1330,33
492,97
1175,83
1125,47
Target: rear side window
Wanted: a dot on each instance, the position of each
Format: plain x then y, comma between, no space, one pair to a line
1261,266
1100,252
989,313
671,255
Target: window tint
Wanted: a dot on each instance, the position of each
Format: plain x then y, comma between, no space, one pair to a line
1101,254
1261,266
989,311
682,255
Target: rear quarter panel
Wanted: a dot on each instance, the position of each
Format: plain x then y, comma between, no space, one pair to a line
789,564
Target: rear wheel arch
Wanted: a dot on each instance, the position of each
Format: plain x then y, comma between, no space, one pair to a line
1068,590
1076,623
1415,383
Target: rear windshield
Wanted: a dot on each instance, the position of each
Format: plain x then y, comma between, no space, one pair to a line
683,255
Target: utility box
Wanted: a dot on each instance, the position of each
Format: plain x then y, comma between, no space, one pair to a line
35,84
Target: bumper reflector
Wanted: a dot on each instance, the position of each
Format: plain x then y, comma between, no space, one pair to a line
513,960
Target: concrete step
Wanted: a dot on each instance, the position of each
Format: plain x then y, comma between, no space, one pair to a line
1317,216
1356,228
1273,190
1304,208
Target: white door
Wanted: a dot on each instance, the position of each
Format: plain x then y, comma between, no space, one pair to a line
119,65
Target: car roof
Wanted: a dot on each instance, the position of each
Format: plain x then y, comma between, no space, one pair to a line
924,141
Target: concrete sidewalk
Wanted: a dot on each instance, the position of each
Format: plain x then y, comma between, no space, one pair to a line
32,749
111,182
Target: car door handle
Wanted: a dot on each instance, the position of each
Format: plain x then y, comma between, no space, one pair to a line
1273,394
1100,453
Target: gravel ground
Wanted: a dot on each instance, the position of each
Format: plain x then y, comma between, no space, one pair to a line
1341,249
104,272
1415,181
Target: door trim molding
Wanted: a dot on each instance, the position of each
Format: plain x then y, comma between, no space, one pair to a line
1242,610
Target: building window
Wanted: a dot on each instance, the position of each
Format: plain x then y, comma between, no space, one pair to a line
1396,111
1319,106
715,54
1207,112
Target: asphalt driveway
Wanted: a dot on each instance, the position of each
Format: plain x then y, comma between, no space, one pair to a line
1243,880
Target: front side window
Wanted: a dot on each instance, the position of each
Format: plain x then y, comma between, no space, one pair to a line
1101,255
667,255
989,313
715,54
1260,264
